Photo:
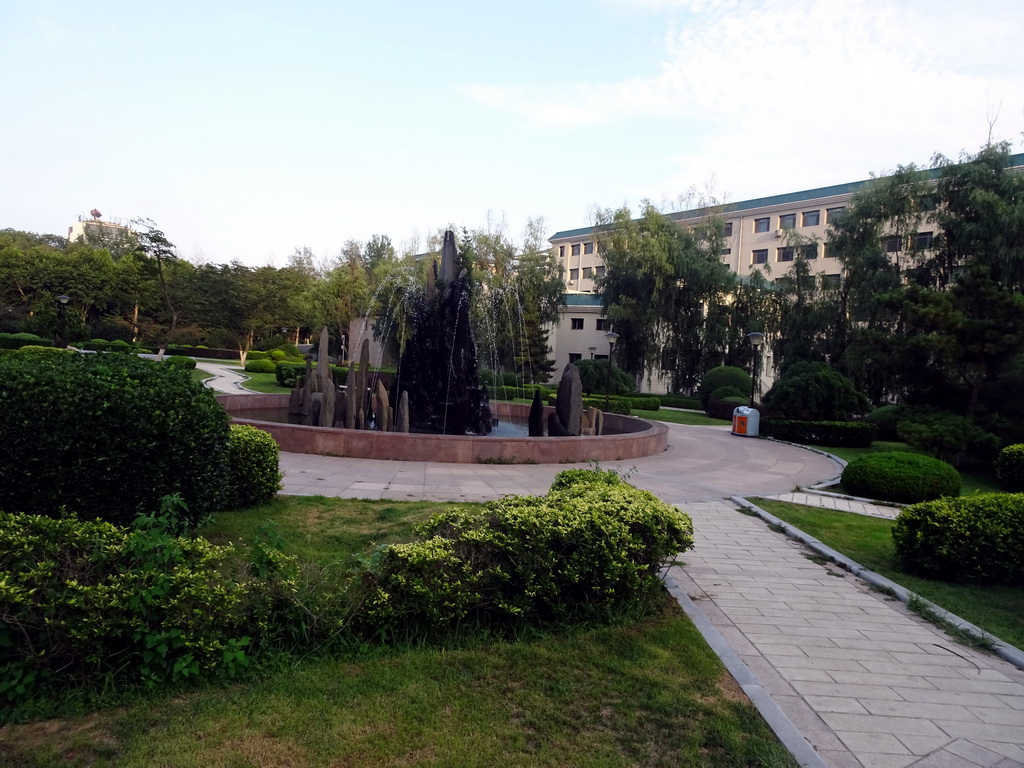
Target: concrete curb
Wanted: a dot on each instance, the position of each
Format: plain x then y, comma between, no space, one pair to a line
781,725
1003,650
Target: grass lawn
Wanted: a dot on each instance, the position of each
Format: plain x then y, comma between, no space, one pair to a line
648,693
198,375
998,610
262,382
681,417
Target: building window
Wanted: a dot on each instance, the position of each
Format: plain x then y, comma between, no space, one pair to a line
759,256
600,357
575,356
603,324
561,251
574,275
784,254
577,323
787,221
923,241
809,251
599,271
927,202
834,215
588,273
811,218
830,281
575,249
762,225
726,251
893,243
727,232
588,248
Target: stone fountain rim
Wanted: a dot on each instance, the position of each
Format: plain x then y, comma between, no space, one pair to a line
638,438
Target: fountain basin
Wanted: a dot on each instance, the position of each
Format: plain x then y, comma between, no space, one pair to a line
633,438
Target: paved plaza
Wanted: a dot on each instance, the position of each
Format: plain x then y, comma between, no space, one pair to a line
847,676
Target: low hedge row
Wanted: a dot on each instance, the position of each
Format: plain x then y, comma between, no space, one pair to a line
851,434
1010,467
680,401
19,340
976,538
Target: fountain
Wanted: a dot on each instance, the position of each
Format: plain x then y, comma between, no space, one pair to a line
442,413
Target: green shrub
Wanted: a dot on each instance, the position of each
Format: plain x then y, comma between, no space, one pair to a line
255,354
643,402
287,373
88,602
850,434
261,366
974,538
277,355
614,406
594,378
886,418
107,435
900,477
722,376
19,340
180,361
568,478
816,392
34,349
1010,467
728,391
723,409
253,466
590,551
946,435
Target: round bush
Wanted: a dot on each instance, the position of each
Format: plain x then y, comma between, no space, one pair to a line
107,436
900,477
253,466
722,376
277,355
260,366
974,538
1010,467
815,392
181,361
727,391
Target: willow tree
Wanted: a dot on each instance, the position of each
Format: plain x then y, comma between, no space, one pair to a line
666,292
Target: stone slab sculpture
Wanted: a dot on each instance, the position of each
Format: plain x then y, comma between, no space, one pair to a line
536,422
565,421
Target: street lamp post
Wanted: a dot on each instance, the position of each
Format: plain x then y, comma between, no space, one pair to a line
756,337
592,350
612,338
58,337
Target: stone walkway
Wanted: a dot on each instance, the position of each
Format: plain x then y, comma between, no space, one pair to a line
845,676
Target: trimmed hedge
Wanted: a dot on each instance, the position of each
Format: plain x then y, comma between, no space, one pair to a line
976,538
109,435
722,376
850,434
1010,467
620,406
261,366
886,418
589,550
680,401
180,361
900,477
19,340
253,466
723,409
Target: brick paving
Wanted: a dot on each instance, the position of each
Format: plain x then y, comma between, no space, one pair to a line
866,683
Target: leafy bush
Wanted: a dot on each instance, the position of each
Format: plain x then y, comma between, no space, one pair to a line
851,434
253,466
723,409
816,392
19,340
900,477
589,551
727,391
255,354
260,366
722,376
643,402
109,435
88,601
594,378
34,349
975,538
181,361
568,478
277,355
886,418
614,406
287,373
946,435
1010,467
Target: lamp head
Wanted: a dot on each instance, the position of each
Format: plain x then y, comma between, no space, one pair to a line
612,337
63,298
756,338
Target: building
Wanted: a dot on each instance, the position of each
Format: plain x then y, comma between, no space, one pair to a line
758,235
92,229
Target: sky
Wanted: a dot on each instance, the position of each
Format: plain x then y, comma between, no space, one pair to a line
246,129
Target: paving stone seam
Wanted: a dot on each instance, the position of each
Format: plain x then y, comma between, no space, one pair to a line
1004,650
783,728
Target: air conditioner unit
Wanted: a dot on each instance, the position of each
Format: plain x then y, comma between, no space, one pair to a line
778,232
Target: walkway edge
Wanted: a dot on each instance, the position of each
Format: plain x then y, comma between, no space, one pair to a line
781,725
1007,652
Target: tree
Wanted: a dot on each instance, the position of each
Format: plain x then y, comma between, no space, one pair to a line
154,245
665,290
